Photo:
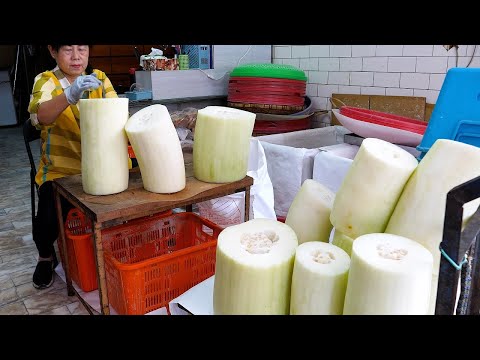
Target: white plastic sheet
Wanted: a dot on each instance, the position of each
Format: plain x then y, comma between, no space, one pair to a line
229,210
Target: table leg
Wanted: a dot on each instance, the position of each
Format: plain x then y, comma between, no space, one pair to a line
102,283
58,205
247,203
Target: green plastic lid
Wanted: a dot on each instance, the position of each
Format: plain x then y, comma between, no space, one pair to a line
267,70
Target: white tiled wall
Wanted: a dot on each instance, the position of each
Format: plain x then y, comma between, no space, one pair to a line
404,70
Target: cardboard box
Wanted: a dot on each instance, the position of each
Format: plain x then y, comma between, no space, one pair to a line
290,160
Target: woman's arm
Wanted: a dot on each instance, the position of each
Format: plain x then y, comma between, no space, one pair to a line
48,111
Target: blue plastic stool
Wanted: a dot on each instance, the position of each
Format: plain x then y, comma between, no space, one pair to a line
456,115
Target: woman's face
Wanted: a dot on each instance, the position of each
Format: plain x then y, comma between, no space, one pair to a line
71,59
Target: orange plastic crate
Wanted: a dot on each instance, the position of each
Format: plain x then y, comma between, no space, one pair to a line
81,256
149,264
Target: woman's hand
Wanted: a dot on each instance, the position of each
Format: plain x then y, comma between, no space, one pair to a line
82,83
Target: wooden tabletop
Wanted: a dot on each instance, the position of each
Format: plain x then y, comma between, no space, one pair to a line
136,201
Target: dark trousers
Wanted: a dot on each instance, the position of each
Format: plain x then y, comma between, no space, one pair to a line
45,225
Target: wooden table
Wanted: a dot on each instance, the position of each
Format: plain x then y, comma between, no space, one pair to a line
135,202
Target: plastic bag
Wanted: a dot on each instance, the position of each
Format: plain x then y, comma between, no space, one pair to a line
185,118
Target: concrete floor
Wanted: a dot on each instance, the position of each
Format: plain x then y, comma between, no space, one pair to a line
18,254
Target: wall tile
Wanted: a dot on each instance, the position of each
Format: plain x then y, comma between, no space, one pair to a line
319,102
375,64
397,70
341,50
342,89
436,81
463,61
439,50
327,90
282,52
361,78
401,64
363,50
293,62
350,64
318,77
414,80
417,50
372,91
312,90
432,64
328,64
386,79
300,51
319,50
309,64
399,92
389,50
431,96
341,78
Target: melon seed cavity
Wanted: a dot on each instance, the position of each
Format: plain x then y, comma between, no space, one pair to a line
323,257
386,251
259,242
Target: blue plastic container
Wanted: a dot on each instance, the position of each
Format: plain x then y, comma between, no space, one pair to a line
456,115
199,56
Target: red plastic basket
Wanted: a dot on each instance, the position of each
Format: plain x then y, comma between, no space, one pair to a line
385,119
150,263
79,240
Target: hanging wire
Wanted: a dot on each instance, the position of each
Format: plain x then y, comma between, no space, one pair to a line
466,281
473,54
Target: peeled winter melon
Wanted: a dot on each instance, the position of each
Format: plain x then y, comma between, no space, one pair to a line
371,188
420,212
253,270
104,145
319,279
157,148
342,241
222,144
309,213
389,275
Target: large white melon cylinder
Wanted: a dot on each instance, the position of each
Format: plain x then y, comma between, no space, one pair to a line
104,145
319,280
371,188
420,212
253,270
222,144
389,275
309,213
157,148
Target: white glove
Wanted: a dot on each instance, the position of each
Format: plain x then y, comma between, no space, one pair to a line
86,82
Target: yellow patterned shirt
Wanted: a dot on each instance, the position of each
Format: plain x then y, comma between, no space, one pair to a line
61,150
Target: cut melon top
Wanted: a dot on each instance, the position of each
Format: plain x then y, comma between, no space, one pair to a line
260,243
